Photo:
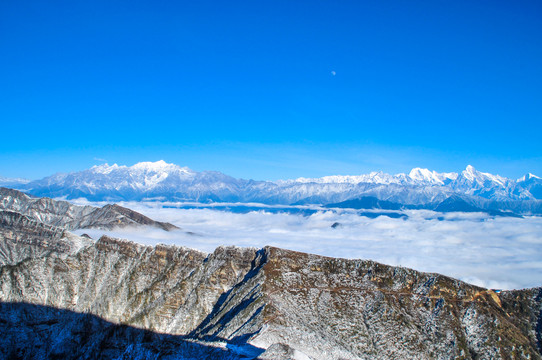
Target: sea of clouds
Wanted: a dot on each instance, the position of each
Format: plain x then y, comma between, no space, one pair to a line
494,252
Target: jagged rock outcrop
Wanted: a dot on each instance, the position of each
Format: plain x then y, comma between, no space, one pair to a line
247,303
69,216
22,237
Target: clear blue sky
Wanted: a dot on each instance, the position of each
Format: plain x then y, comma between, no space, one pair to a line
271,89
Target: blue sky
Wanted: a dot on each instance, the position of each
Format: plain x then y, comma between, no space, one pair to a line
271,89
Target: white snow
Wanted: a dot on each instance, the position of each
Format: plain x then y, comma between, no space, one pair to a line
430,177
475,176
416,176
104,168
298,355
527,177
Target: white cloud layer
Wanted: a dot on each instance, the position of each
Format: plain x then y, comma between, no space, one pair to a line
499,252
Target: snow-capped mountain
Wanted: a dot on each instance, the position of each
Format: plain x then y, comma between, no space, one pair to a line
417,176
145,180
162,181
473,182
424,176
533,184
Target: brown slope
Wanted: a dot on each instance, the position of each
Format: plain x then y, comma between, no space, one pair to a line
284,301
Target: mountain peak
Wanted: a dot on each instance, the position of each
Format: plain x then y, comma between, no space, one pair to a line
149,165
160,166
433,177
104,168
528,177
470,173
420,174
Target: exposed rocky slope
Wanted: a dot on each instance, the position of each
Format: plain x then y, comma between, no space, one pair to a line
243,303
22,237
69,216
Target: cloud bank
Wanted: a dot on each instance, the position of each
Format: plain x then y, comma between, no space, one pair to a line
504,253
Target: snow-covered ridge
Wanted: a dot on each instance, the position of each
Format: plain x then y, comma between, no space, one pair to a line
161,180
141,167
416,176
473,175
433,177
528,177
373,177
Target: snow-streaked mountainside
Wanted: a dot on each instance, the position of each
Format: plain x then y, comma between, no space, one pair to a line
70,216
162,181
65,296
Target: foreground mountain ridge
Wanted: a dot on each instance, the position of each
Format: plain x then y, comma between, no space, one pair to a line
261,300
66,296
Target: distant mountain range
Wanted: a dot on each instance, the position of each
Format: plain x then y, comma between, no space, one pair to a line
169,182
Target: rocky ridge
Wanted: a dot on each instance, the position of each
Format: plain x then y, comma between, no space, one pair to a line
68,216
270,303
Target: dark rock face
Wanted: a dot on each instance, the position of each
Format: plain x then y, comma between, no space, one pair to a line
64,296
43,332
453,203
367,202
